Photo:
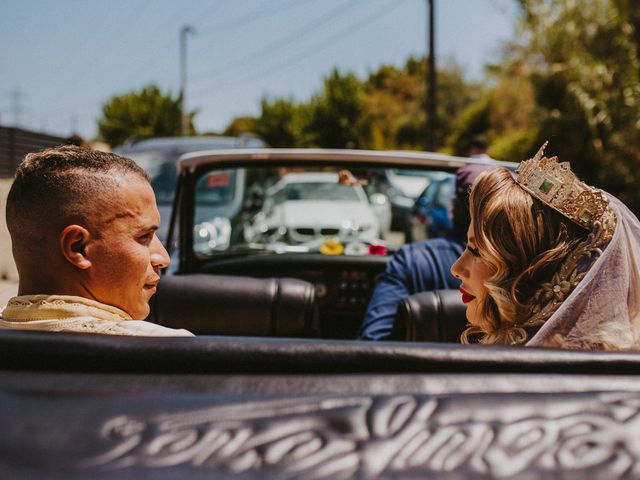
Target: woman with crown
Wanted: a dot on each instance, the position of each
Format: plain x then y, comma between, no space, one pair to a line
549,261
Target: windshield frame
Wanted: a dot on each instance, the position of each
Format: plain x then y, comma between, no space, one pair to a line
192,166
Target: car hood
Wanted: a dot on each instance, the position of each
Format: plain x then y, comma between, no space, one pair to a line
324,213
409,186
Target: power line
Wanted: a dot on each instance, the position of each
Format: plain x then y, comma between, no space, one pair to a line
104,59
98,31
208,11
257,14
309,52
252,16
270,48
240,22
122,26
162,47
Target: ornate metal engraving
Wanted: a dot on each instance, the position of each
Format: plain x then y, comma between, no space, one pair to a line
341,437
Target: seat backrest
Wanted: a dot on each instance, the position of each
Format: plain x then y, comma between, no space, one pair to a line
435,316
234,305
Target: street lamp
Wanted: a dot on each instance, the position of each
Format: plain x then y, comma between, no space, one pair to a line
184,31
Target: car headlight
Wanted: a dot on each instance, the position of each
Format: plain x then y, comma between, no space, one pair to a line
211,236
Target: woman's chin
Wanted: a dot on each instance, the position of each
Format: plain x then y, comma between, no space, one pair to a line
472,313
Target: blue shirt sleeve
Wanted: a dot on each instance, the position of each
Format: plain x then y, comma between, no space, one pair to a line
416,267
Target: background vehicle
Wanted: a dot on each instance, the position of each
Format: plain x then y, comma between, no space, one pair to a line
431,215
304,207
159,157
403,186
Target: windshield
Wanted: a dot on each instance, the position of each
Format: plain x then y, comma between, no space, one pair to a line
161,168
324,210
216,188
333,192
412,172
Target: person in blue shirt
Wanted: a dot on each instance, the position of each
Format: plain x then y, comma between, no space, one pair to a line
421,266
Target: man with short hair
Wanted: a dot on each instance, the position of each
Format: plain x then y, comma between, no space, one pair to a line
83,227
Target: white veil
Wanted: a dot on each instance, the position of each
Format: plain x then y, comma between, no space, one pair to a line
603,311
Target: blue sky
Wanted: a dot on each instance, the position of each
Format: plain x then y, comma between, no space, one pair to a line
61,60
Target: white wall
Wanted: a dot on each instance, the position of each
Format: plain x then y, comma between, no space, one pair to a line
7,266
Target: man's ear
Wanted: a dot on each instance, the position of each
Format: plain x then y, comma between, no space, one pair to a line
73,240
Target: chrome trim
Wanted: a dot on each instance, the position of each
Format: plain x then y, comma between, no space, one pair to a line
190,161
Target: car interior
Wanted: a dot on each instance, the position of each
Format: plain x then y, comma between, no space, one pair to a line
336,244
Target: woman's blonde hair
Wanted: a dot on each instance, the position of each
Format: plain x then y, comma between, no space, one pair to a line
524,242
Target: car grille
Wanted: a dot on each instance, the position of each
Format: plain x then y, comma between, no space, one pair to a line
317,232
307,232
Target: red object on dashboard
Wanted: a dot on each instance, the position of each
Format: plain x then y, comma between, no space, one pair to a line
377,250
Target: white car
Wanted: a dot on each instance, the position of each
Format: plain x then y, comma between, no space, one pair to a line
302,207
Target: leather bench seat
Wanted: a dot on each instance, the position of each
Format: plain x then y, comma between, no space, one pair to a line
435,316
234,305
80,352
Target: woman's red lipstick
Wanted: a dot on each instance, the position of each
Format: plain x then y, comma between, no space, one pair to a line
466,296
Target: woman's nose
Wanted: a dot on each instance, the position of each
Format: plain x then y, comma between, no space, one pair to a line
457,267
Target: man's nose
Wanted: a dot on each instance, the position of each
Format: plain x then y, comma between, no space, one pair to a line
159,255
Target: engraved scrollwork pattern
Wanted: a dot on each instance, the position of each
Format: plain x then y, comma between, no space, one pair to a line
367,437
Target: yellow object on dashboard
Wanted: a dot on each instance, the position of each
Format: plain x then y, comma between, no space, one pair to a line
332,247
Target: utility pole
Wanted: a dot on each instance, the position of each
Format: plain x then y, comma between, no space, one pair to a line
184,31
73,123
431,79
16,106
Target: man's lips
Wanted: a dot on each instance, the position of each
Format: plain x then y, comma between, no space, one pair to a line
466,296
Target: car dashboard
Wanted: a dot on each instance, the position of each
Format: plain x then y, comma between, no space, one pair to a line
343,285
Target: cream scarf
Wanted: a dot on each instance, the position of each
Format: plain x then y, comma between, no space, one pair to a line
64,313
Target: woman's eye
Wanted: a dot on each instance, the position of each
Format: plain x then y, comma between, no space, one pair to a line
474,251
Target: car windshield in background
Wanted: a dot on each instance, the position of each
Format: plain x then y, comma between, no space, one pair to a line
303,209
161,168
216,188
159,158
315,190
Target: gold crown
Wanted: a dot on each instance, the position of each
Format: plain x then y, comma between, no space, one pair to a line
555,185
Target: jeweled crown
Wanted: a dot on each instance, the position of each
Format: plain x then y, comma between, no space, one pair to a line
554,184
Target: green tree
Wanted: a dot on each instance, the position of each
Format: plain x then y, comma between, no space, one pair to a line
472,121
582,60
506,114
335,112
385,111
240,125
393,109
281,123
394,106
143,114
